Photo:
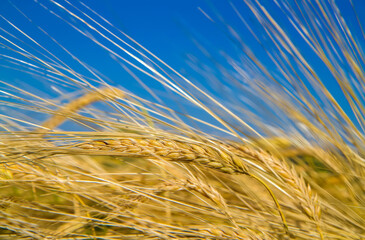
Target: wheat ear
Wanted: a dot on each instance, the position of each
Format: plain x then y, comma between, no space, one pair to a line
71,108
173,150
308,200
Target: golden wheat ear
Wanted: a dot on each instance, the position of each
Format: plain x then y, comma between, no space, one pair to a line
170,150
70,109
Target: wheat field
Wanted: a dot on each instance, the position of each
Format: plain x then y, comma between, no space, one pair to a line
281,156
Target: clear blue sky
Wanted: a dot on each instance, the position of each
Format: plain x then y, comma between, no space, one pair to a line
166,27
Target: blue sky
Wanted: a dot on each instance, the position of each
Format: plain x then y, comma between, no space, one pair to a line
170,29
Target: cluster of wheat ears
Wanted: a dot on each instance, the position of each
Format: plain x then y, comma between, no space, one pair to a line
289,164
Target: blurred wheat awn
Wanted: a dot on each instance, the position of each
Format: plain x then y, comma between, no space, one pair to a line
281,159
